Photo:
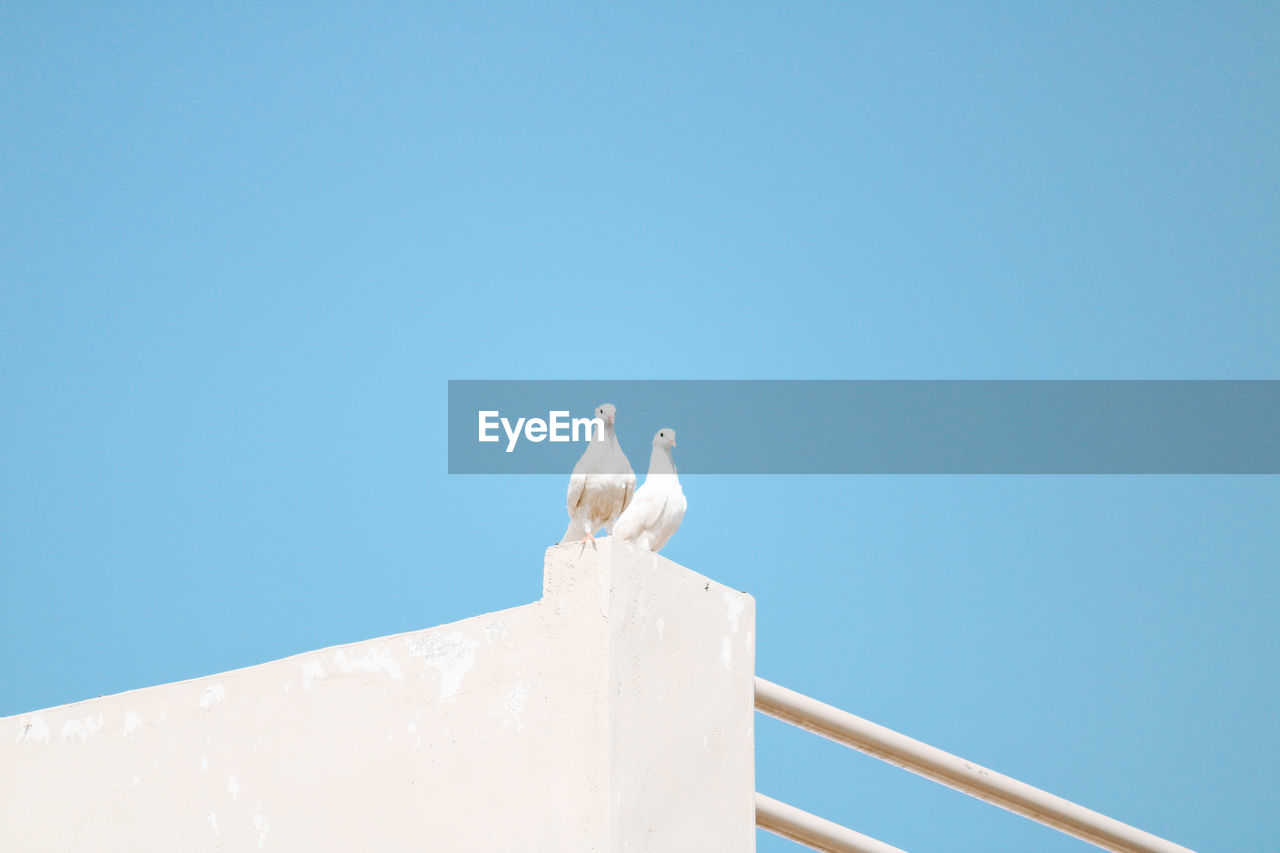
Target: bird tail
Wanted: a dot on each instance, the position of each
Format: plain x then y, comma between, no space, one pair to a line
575,532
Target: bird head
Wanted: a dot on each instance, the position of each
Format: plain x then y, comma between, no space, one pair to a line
665,438
607,413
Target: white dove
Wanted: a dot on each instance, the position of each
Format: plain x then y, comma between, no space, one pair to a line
601,485
659,504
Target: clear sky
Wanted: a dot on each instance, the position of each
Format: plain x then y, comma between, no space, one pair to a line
244,246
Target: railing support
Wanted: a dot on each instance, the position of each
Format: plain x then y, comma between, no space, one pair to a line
955,772
812,831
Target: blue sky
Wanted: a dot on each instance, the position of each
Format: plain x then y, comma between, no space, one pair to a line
243,248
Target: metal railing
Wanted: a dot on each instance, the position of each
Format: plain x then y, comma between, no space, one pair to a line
931,763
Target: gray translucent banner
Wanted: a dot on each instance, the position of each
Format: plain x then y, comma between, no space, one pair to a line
881,427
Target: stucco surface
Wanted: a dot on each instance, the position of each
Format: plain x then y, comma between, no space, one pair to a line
613,714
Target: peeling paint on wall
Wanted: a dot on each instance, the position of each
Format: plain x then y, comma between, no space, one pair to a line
262,826
81,729
375,660
735,605
33,730
213,694
312,671
453,655
132,722
513,705
495,631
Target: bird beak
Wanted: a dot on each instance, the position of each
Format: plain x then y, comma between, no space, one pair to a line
673,442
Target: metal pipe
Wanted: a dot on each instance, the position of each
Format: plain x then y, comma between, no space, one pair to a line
932,763
812,831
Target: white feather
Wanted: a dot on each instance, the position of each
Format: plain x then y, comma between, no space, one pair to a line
601,485
659,505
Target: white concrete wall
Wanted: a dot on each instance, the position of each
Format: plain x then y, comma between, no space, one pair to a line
614,714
